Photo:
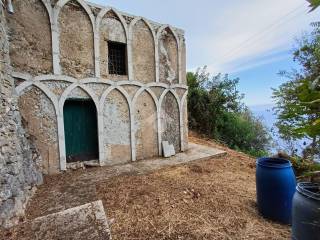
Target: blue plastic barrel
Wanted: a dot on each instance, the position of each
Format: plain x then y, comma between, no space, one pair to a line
306,212
276,184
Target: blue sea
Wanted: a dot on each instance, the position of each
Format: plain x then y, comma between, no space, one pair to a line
269,118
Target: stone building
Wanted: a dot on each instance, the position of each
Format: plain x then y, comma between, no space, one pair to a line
95,83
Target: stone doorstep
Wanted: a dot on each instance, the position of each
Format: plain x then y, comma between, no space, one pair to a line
83,165
84,222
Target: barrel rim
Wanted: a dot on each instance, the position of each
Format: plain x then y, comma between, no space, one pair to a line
305,187
271,162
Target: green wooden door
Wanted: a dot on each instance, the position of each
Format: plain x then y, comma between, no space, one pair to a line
80,127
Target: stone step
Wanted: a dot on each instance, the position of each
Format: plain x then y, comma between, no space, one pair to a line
84,222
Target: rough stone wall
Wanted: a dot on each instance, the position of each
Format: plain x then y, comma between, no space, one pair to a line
170,121
111,29
168,57
117,129
30,38
143,53
146,127
39,119
76,41
19,173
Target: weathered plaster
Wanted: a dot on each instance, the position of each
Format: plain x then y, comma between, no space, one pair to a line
56,87
143,52
170,120
76,41
145,127
158,91
98,88
116,118
183,55
39,118
131,90
184,123
168,56
181,92
30,39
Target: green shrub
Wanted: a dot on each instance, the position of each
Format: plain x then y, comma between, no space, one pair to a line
215,108
303,167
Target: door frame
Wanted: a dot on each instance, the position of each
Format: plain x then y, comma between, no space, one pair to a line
82,105
61,132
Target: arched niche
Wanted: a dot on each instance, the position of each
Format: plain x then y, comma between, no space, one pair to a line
39,119
143,52
78,93
76,41
116,121
168,57
145,127
111,29
30,38
170,121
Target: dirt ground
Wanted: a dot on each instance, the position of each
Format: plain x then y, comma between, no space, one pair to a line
212,199
209,199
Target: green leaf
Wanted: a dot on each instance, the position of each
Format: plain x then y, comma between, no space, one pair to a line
314,4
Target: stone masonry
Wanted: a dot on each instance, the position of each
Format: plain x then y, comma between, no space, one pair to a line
59,50
19,160
56,50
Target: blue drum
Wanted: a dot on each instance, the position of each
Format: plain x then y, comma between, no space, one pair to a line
276,185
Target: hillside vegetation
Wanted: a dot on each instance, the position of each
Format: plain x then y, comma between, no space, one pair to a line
216,109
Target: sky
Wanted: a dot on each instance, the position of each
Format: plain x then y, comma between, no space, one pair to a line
249,39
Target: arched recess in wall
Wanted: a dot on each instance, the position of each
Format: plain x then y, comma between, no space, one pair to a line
116,124
143,52
111,27
168,56
76,40
39,119
170,120
30,38
145,127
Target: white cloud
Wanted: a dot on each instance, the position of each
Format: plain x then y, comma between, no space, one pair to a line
251,29
216,30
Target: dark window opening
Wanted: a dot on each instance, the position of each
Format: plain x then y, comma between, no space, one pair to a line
117,58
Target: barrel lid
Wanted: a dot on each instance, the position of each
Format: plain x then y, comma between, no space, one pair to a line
310,190
274,162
